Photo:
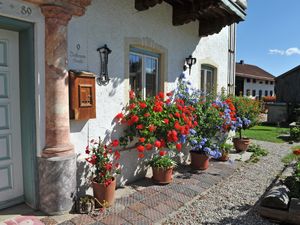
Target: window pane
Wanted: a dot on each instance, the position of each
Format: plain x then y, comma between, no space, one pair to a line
202,81
135,73
209,81
151,76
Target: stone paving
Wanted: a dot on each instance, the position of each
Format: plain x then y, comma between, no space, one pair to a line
150,203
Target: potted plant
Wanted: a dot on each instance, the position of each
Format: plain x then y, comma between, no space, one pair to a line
210,121
103,160
225,149
156,123
247,114
201,152
241,143
162,167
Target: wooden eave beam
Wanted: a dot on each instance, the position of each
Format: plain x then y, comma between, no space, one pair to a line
142,5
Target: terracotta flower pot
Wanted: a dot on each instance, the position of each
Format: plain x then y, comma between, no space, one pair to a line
105,195
162,175
199,161
224,157
241,144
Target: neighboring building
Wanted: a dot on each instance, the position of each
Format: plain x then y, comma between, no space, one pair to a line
40,40
287,86
250,80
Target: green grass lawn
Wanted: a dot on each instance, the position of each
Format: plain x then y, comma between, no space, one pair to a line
266,133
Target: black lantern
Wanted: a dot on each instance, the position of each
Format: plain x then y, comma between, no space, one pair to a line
190,61
103,78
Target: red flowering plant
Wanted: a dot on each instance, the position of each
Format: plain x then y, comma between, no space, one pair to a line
247,113
103,159
156,122
206,118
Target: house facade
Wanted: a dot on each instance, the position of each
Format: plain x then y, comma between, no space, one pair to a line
253,81
287,86
41,148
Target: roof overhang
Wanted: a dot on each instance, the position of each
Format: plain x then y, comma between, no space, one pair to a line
212,15
254,77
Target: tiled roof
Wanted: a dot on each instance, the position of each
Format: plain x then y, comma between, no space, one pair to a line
252,71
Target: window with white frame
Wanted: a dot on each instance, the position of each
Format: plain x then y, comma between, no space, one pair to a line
208,79
144,72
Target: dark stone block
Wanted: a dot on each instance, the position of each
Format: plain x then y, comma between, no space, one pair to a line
294,211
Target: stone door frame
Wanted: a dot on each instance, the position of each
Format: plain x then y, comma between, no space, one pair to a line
27,108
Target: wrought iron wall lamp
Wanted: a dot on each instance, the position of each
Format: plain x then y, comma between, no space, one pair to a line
190,61
102,78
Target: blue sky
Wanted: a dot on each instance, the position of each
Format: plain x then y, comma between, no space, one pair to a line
270,35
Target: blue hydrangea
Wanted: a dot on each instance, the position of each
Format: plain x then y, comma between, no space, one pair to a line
193,132
183,138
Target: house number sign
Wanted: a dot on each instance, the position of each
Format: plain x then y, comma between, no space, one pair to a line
16,8
25,10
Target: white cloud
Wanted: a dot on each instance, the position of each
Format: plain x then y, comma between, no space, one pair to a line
276,52
292,51
287,52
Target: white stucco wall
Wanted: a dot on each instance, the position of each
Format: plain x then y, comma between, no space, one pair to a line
116,23
257,86
212,50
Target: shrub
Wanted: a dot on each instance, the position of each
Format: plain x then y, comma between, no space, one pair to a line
257,152
295,133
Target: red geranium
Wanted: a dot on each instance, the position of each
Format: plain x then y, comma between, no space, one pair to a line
141,155
162,153
142,105
119,116
149,146
132,106
152,128
142,140
101,157
131,94
115,143
157,144
147,115
134,118
140,126
179,146
140,148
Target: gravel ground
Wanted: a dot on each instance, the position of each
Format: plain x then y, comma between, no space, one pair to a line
235,200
